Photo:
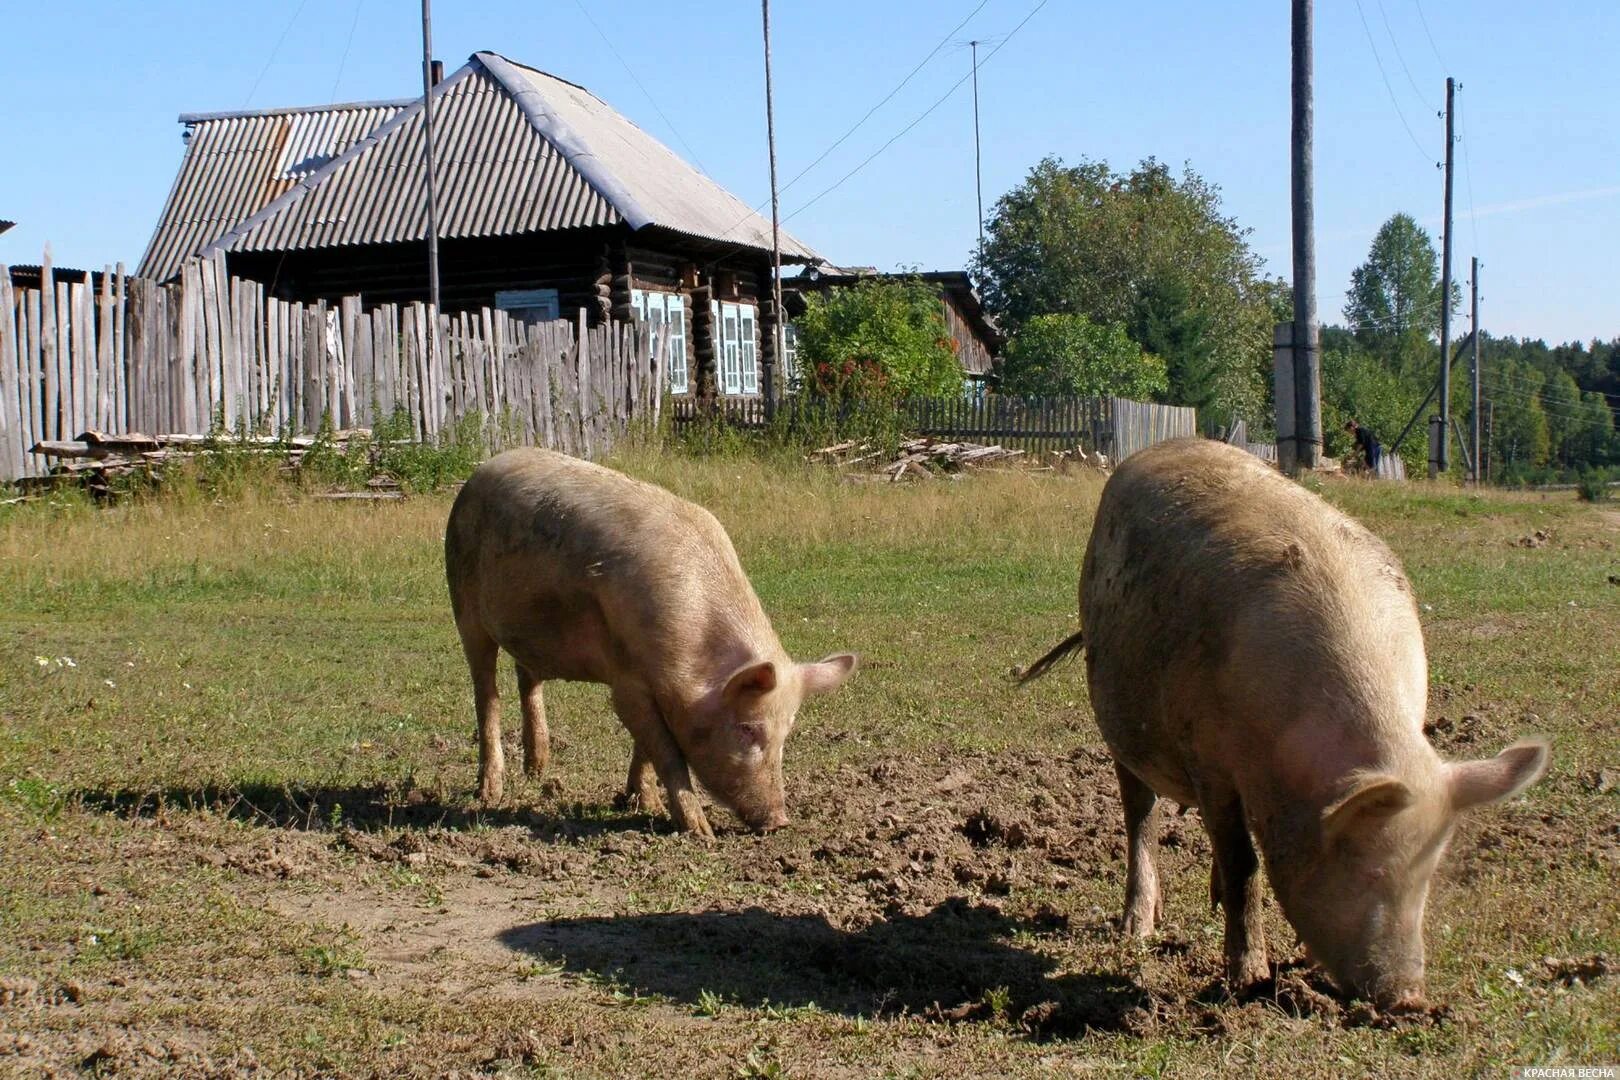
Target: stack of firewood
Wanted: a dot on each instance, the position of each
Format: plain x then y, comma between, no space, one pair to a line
96,457
919,459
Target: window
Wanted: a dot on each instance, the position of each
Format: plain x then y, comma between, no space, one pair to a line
529,305
734,335
665,313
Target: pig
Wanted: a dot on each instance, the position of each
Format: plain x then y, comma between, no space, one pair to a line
579,572
1254,652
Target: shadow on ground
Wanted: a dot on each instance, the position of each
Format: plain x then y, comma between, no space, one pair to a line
361,807
951,963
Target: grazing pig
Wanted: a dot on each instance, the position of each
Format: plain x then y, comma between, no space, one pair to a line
1255,653
581,573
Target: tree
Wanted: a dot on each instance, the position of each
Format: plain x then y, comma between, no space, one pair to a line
1056,355
1166,325
878,339
1394,297
1118,249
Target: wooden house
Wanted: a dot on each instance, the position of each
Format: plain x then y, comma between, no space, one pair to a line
978,339
549,202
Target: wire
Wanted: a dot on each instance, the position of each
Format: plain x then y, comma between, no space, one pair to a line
839,141
1468,176
274,51
344,59
1523,397
1382,74
925,114
1391,32
634,78
1432,46
886,99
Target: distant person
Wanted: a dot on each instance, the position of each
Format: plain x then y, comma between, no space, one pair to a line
1366,444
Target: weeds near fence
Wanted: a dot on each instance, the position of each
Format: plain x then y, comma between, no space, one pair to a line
798,425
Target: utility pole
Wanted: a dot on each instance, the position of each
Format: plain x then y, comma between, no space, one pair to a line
776,230
1441,461
1307,381
432,195
978,178
1473,279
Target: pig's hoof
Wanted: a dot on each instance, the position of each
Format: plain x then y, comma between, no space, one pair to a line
697,825
1245,974
644,803
1138,924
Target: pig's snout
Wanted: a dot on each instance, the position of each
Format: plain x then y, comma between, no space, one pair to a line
771,821
1398,994
1407,1001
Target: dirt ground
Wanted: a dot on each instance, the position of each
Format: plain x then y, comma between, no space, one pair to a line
944,904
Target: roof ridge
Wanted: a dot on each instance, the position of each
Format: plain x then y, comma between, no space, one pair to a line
553,129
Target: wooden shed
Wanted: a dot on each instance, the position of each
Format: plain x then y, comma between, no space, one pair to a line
549,202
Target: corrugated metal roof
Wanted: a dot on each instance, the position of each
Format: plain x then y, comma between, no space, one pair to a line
236,163
495,177
661,185
515,150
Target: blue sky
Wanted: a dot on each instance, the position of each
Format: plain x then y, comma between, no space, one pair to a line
93,89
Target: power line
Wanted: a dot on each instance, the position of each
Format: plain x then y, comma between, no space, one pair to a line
636,79
344,59
1432,46
1468,174
856,126
1391,32
1557,409
275,50
886,98
957,85
1382,74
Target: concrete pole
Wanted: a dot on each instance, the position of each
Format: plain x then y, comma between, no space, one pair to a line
1441,461
1307,356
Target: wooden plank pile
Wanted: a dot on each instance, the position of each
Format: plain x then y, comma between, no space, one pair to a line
918,459
96,457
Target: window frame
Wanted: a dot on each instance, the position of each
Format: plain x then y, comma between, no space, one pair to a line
668,333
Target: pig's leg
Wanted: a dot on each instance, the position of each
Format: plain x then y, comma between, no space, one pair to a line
1239,881
1143,904
482,657
536,739
641,789
639,712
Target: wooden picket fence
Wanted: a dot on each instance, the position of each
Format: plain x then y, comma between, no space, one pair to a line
1117,426
124,354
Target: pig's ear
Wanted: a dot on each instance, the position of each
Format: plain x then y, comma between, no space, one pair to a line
1375,796
751,679
1475,783
825,676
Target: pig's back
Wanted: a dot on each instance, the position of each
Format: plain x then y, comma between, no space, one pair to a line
1213,585
547,548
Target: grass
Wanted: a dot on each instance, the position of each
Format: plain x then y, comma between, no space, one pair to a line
236,765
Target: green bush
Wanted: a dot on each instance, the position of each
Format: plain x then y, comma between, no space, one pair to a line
1593,486
1061,355
877,340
